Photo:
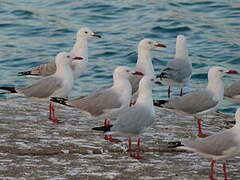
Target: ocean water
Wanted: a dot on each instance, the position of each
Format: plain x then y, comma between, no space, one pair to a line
33,32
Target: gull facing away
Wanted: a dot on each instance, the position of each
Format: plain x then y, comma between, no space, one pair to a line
57,85
201,101
233,92
107,102
221,146
136,118
178,71
80,49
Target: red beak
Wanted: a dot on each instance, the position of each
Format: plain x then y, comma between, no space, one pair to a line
158,82
138,73
96,35
232,72
78,58
160,45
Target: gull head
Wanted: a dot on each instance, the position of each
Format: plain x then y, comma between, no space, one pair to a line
66,58
148,44
122,72
146,82
181,40
181,47
86,33
219,71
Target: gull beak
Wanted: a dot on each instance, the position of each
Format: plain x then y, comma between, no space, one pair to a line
138,73
160,45
158,82
96,35
77,58
231,72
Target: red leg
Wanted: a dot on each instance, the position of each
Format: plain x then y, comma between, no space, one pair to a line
113,140
225,170
132,103
200,134
129,146
138,149
105,124
181,92
212,170
52,114
137,155
169,91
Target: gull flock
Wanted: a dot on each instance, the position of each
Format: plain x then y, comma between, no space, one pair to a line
127,106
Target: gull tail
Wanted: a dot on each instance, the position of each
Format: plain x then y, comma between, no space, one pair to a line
9,89
27,73
159,103
103,128
174,144
59,100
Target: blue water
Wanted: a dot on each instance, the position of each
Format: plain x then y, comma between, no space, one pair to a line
33,32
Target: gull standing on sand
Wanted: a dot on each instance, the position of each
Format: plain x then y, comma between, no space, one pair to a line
144,64
107,102
136,118
221,146
178,71
80,49
233,92
201,101
57,85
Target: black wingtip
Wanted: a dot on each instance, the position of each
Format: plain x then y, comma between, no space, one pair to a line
159,103
162,75
27,73
59,100
103,128
174,144
9,89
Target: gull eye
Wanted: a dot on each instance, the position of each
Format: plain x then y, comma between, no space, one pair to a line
149,42
85,32
68,56
127,70
221,70
152,80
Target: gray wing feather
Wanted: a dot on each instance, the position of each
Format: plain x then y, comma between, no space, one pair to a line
45,69
134,121
97,102
178,70
232,90
41,89
214,145
134,81
193,102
